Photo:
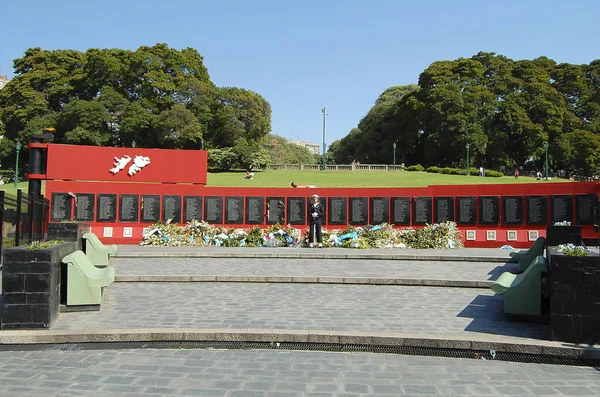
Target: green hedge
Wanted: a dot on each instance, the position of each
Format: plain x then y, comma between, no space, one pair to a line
417,167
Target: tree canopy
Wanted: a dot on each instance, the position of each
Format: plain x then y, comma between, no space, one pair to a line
157,96
504,110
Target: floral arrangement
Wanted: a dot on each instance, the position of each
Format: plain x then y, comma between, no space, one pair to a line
563,223
201,234
573,250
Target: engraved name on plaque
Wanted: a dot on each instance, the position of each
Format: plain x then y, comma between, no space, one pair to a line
585,205
422,213
380,210
489,210
296,210
234,210
338,210
213,209
444,209
513,210
358,210
401,210
537,210
192,208
107,208
150,208
84,206
129,207
467,210
171,209
255,210
275,210
562,208
61,207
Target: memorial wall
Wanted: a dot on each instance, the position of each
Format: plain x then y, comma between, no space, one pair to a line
525,216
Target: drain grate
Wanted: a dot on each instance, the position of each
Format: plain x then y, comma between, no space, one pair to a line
325,347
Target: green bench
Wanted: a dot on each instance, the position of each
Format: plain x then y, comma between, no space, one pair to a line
526,257
522,292
85,281
98,253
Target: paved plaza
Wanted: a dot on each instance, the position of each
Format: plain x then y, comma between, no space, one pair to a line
270,373
439,298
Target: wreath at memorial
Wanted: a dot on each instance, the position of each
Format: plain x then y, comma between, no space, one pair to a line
201,234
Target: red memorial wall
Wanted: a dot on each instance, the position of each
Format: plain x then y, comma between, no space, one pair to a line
88,184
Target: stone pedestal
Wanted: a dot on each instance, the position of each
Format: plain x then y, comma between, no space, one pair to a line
574,297
31,286
557,235
68,231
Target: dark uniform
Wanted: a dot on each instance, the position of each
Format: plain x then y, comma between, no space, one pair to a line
315,221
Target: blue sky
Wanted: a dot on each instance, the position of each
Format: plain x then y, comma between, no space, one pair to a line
304,55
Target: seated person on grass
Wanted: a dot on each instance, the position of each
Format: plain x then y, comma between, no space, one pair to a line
249,175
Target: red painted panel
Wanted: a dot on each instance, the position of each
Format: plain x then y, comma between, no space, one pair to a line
93,163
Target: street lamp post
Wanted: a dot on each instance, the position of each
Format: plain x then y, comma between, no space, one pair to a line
546,147
324,152
468,164
18,147
394,156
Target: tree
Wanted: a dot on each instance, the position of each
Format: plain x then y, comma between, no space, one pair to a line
584,153
156,96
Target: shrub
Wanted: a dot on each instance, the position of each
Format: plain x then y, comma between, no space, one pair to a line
417,167
493,174
433,169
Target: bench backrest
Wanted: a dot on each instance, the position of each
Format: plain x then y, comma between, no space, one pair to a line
93,239
539,265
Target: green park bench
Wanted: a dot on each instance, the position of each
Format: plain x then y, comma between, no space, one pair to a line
97,252
522,292
526,257
85,281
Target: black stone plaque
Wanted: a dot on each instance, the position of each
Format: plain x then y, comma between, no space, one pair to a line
213,209
338,211
585,205
444,209
129,205
234,210
489,210
150,208
359,210
255,210
84,207
466,208
537,210
62,207
171,209
275,210
106,208
422,210
296,210
562,208
380,210
513,210
401,210
192,208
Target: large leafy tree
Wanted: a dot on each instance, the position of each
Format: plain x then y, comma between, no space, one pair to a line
504,109
156,96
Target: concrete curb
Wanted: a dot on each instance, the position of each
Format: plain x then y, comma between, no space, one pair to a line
301,279
477,344
310,255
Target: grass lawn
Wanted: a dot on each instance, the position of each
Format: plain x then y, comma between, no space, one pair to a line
283,178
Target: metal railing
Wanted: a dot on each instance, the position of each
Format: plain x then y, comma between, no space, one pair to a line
23,218
333,167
